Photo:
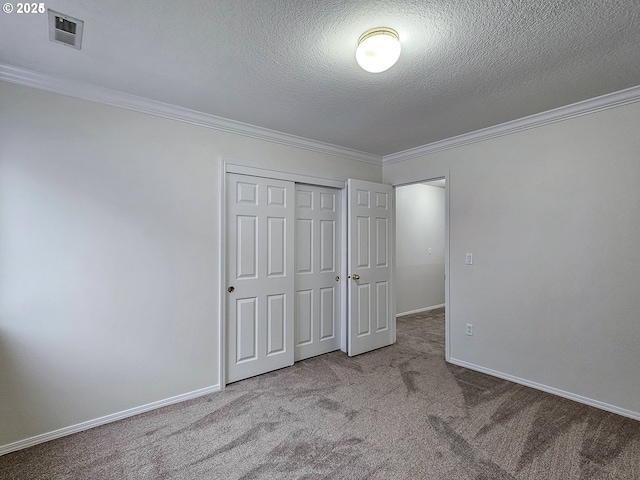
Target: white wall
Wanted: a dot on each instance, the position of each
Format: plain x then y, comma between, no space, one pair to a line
551,217
109,255
420,223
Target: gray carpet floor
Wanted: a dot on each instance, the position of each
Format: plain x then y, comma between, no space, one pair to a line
399,412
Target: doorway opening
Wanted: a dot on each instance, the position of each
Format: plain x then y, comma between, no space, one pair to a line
422,251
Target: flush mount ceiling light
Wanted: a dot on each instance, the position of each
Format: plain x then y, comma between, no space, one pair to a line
378,49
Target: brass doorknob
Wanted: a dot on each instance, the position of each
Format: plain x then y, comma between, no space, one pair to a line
337,279
355,276
230,289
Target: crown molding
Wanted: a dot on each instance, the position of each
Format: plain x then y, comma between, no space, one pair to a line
29,78
94,93
585,107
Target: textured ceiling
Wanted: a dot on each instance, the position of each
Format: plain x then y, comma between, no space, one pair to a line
289,65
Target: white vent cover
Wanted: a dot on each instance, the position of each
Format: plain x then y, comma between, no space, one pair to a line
65,29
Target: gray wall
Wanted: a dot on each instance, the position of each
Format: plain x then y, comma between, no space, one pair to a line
109,255
551,217
420,224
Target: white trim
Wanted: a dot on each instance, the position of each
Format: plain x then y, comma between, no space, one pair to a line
114,417
233,165
420,310
222,275
585,107
447,267
287,176
392,264
94,93
545,388
344,283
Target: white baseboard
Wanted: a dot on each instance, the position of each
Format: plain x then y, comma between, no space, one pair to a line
420,310
545,388
62,432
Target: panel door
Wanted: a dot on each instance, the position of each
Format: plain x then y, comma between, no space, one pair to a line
371,232
318,251
260,275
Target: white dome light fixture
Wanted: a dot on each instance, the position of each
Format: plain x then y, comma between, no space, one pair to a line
378,49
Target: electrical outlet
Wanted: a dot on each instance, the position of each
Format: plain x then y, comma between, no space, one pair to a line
469,259
470,329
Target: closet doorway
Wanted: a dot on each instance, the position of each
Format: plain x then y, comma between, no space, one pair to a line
296,285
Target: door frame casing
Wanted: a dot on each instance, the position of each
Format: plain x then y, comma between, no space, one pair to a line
447,310
228,165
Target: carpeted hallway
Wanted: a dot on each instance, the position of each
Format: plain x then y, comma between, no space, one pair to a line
395,413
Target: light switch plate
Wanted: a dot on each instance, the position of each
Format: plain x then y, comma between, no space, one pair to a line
469,259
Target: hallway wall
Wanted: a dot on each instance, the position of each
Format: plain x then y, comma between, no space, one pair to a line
420,235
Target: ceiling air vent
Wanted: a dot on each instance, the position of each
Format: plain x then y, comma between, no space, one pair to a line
65,29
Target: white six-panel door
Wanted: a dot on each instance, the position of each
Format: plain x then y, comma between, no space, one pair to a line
260,275
283,257
371,242
317,282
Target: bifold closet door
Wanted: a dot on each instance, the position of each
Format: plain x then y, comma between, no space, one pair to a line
317,267
260,275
